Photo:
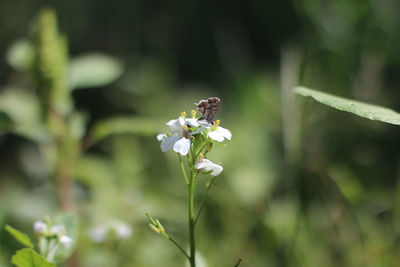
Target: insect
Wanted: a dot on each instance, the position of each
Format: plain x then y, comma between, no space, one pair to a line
208,108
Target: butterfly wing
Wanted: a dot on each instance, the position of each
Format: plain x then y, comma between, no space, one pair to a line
209,109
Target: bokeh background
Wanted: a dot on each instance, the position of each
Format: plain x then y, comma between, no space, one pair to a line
303,184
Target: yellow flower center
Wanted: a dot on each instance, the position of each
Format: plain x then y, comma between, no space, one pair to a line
193,112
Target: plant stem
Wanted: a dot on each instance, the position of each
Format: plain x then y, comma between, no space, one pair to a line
192,183
178,246
203,201
183,169
238,263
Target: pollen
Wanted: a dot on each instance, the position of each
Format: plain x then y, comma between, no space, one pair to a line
183,114
193,112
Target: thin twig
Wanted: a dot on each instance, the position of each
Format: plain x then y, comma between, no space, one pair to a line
179,247
237,264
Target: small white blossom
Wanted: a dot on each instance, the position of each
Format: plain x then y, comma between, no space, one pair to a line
219,134
57,229
39,227
118,228
177,141
207,166
65,241
98,233
123,230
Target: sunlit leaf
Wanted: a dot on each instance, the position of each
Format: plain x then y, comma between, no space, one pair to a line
20,55
124,125
29,258
361,109
93,70
19,236
71,223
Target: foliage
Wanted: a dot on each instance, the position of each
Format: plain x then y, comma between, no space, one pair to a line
361,109
29,258
18,235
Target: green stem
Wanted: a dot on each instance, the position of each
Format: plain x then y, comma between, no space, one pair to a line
203,201
238,263
183,169
178,246
191,186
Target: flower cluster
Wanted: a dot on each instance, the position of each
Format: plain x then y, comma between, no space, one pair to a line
196,136
51,238
54,232
118,228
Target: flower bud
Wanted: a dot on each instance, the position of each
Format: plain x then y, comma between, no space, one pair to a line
39,227
154,228
160,227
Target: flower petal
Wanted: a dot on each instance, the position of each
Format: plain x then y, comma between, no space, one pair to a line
168,142
161,137
192,122
39,227
176,125
216,135
182,146
66,241
224,132
98,234
207,165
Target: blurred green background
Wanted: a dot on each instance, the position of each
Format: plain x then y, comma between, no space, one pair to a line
303,184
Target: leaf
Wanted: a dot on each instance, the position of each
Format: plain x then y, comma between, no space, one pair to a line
23,110
361,109
29,258
71,223
123,125
19,236
93,70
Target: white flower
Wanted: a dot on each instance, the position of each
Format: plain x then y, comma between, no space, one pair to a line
176,125
57,229
219,134
39,227
65,241
98,233
207,166
123,230
177,141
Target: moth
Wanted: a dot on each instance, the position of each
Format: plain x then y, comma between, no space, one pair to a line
208,108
